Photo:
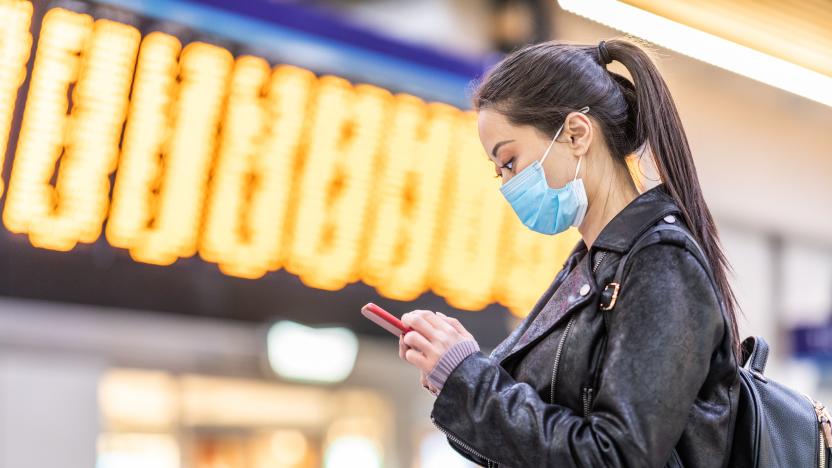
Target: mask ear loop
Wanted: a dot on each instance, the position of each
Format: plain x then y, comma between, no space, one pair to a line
583,110
577,168
546,154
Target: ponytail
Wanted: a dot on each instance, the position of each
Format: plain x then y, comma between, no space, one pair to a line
657,127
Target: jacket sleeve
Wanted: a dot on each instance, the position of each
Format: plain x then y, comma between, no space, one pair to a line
661,335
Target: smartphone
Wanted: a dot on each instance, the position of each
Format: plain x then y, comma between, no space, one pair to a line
384,319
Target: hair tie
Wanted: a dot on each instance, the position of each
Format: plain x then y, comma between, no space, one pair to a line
603,53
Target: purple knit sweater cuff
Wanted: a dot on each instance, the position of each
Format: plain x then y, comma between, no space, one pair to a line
448,362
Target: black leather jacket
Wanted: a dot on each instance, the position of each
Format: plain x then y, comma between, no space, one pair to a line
651,383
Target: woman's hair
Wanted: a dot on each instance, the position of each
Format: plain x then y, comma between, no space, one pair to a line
540,84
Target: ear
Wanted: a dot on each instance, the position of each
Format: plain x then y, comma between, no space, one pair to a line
579,130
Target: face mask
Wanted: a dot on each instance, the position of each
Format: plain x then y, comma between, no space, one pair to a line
540,207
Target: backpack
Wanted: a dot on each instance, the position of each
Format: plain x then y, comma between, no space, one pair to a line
776,426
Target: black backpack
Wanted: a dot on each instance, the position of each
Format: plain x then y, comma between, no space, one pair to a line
775,426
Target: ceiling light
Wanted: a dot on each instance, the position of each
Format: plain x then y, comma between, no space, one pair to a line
706,47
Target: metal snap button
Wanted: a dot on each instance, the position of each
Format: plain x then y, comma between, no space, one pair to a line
584,290
670,219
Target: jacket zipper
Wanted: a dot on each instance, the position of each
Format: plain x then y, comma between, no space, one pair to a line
587,394
491,463
589,389
569,324
821,454
598,260
824,430
557,359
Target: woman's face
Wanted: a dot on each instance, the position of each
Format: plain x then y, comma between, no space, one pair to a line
511,148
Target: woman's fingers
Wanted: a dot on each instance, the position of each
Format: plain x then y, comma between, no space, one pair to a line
402,347
456,325
417,320
423,379
417,341
416,358
438,323
432,334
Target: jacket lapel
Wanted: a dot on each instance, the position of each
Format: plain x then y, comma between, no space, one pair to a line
542,307
559,306
501,349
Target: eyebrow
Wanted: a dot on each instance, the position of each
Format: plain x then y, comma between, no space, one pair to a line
497,146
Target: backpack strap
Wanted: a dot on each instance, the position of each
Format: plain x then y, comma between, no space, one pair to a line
686,240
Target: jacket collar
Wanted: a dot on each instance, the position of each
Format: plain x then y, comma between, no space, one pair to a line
642,212
618,235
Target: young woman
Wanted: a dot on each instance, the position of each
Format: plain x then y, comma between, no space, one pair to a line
652,382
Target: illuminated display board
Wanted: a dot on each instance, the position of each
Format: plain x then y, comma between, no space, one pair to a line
254,167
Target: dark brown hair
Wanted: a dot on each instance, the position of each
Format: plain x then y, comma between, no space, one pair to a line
540,84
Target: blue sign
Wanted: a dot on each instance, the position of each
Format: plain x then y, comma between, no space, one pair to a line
813,342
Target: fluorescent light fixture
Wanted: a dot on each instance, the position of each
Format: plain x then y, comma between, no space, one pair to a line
706,47
299,352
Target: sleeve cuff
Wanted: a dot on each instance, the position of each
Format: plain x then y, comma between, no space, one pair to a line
448,361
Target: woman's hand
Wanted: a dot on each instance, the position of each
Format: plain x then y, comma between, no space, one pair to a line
432,335
423,377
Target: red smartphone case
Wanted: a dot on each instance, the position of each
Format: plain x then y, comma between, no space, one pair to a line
384,319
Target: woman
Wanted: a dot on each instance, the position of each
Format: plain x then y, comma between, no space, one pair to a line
652,382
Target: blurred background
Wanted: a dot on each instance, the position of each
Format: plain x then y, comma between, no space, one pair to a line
199,195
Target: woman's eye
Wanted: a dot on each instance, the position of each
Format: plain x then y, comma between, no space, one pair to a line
499,169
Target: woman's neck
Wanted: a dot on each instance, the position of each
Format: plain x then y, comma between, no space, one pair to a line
604,205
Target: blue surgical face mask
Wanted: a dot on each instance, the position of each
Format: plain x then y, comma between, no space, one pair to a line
542,208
